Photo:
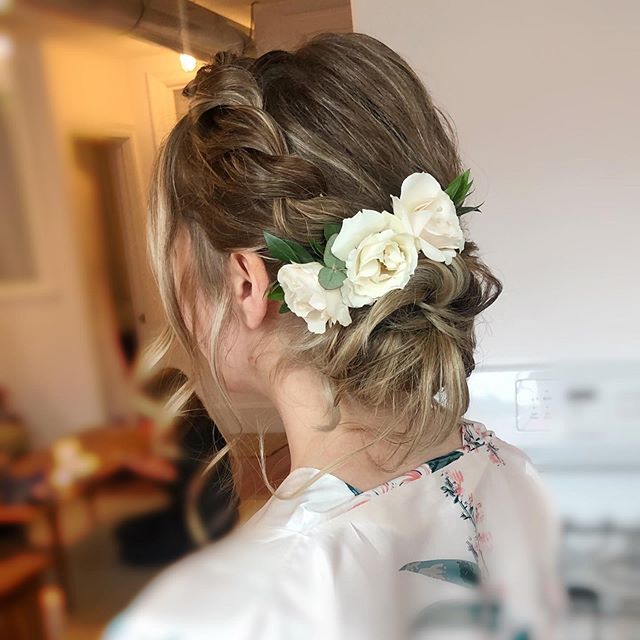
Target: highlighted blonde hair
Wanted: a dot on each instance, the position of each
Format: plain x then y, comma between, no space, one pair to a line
286,143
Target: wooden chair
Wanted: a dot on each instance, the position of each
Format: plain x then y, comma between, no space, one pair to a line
21,578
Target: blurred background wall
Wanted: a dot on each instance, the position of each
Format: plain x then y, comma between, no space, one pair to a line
545,97
90,102
57,352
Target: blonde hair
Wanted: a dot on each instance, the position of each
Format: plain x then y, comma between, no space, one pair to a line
286,143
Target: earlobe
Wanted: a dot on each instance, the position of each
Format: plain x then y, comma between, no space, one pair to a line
249,284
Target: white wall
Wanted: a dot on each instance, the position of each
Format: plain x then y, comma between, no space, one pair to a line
545,96
45,341
50,359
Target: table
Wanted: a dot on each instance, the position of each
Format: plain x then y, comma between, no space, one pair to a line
129,447
117,448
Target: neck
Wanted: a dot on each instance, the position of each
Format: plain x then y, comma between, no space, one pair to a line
301,403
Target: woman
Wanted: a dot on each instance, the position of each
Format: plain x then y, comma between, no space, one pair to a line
305,233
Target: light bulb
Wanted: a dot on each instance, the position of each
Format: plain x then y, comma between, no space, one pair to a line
6,46
187,62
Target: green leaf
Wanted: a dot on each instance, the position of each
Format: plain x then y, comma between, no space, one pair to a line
286,250
301,252
283,308
459,188
329,259
330,229
330,278
316,247
276,292
279,249
462,210
453,187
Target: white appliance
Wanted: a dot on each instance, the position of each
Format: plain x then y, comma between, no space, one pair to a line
580,425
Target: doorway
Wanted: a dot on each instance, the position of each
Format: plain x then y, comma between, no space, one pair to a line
105,213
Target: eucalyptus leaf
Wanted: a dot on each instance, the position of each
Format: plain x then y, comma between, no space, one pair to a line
330,229
329,259
330,278
286,250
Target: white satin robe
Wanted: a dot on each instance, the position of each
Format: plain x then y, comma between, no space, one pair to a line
464,546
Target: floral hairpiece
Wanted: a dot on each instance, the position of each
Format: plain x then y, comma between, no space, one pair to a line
371,253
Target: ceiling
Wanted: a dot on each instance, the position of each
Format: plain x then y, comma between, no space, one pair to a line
113,41
117,42
237,10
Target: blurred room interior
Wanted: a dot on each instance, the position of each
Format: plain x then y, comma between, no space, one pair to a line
547,118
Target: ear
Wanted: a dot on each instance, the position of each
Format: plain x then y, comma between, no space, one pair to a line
249,285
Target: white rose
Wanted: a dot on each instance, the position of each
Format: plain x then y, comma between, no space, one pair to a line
308,299
431,214
380,253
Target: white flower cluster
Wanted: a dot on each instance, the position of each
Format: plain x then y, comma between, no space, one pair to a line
377,252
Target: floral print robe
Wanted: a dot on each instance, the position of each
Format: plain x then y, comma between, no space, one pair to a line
464,546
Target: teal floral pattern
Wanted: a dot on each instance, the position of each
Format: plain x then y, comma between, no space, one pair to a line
483,614
476,436
460,572
472,438
469,510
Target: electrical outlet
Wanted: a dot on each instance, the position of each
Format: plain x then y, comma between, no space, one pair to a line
538,405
